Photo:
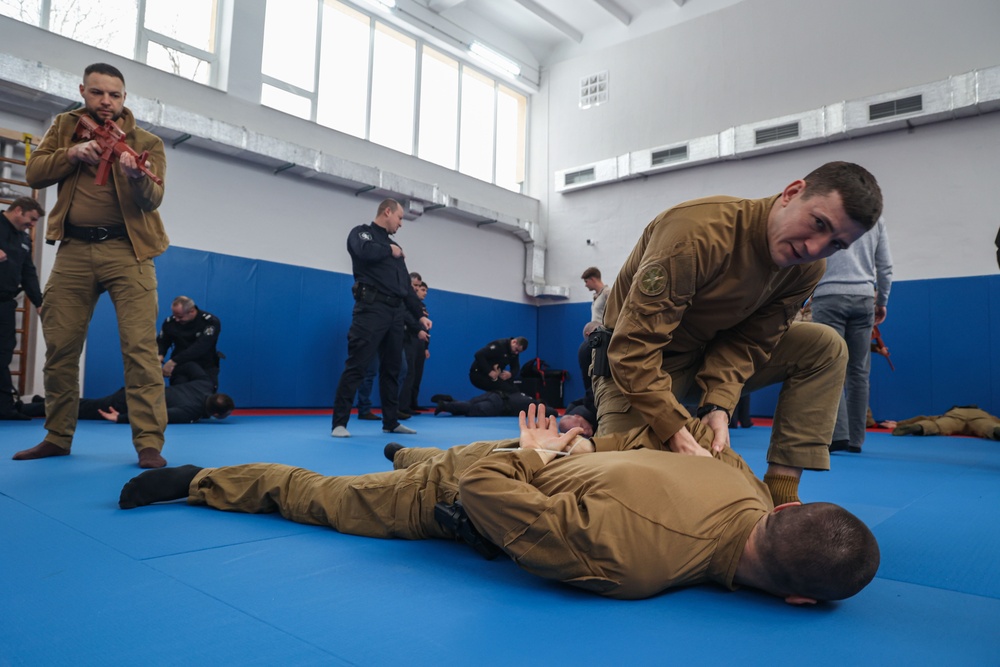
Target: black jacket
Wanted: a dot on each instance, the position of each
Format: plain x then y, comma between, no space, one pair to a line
192,341
372,262
498,354
18,272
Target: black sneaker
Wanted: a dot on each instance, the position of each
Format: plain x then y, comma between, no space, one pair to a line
839,446
440,398
369,417
403,415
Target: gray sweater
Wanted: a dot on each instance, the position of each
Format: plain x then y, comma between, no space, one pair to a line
862,268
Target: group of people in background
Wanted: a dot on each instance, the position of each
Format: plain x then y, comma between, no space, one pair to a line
700,314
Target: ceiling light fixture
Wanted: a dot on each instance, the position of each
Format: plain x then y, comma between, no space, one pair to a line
382,4
494,59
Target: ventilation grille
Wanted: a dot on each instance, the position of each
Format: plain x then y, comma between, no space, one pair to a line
777,133
581,176
896,107
593,90
668,155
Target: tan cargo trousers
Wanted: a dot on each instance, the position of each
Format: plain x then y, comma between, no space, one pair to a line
397,504
809,361
81,272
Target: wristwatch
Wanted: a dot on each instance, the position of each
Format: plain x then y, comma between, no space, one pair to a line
710,407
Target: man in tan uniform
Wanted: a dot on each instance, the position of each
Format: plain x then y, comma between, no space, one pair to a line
626,522
701,312
109,235
960,420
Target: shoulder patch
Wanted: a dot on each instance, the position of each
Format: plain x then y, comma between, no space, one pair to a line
209,331
366,235
652,280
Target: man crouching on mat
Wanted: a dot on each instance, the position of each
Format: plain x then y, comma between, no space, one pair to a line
624,520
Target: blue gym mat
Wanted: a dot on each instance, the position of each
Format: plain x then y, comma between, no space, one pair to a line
84,583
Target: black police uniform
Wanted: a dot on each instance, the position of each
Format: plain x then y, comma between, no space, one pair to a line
413,350
382,292
490,404
195,341
497,354
16,273
185,397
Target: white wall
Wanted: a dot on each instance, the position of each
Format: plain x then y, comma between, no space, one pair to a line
763,59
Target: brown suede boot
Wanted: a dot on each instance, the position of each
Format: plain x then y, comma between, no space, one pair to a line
151,458
42,450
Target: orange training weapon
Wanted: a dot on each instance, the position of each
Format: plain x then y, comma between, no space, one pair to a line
879,347
112,142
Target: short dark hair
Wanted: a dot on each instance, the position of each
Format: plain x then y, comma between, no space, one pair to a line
523,342
185,302
219,405
818,550
104,68
26,204
858,190
386,205
591,272
415,276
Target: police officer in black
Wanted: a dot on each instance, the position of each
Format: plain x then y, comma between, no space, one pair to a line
488,368
17,272
194,335
382,292
189,398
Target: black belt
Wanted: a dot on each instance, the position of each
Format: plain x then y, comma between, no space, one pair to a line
94,234
369,294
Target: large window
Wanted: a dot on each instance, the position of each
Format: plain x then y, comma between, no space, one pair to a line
438,141
393,84
343,91
177,36
380,84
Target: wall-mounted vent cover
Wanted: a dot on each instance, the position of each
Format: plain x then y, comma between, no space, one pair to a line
668,155
593,90
896,107
582,176
768,134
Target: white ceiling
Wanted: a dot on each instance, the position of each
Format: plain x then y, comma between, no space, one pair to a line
542,32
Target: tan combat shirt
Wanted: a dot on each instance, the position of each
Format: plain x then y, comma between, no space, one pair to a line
701,279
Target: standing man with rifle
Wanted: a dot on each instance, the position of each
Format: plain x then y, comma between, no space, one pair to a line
109,233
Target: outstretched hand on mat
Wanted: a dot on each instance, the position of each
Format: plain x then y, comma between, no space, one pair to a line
542,433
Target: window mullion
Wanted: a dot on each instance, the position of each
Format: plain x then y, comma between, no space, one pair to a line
371,74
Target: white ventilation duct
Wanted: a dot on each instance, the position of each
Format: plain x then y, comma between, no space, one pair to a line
969,94
51,90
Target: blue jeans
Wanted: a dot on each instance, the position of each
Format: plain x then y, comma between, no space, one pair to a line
853,317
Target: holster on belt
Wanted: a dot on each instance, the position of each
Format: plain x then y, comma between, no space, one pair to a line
598,341
453,518
364,293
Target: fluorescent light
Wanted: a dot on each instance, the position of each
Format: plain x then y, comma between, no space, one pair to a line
491,57
382,4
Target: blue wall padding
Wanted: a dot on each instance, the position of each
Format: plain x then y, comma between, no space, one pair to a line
284,333
284,329
560,332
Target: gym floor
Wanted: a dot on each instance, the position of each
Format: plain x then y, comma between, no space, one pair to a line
85,583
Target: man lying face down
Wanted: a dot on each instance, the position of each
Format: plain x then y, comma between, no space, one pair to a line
615,515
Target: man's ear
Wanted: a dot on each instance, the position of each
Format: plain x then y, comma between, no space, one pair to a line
792,190
785,506
799,600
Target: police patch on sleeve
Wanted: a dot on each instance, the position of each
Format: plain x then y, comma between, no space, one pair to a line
367,236
209,331
652,280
